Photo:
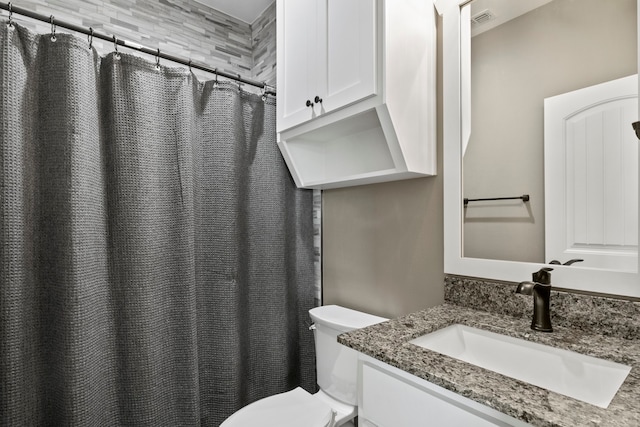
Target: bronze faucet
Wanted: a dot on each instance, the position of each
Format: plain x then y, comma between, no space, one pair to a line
540,288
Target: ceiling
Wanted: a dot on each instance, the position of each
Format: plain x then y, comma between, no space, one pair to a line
500,11
245,10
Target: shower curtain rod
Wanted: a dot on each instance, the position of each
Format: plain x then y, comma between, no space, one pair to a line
131,45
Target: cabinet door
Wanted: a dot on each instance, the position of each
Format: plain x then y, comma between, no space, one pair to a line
297,73
347,49
391,401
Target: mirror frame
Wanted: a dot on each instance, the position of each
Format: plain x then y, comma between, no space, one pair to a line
456,122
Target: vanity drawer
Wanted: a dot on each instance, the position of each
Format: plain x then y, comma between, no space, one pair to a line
392,398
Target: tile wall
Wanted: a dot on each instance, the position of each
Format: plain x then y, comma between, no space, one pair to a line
263,33
183,28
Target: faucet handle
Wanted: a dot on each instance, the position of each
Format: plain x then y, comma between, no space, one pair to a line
542,276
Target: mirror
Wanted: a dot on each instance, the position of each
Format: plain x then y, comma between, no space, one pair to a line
460,129
521,53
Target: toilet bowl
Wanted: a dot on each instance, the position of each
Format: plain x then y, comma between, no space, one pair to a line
337,370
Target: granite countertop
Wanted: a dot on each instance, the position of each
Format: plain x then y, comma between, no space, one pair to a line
388,342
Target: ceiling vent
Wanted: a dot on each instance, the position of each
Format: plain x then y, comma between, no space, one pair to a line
482,17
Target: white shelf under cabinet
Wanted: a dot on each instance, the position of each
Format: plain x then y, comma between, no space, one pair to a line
352,151
375,136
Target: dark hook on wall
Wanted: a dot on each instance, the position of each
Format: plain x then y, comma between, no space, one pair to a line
636,127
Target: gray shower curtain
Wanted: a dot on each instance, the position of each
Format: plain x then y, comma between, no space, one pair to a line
156,258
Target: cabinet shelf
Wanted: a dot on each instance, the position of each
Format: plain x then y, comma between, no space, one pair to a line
352,151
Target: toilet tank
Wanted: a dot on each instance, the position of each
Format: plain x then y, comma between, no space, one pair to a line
337,365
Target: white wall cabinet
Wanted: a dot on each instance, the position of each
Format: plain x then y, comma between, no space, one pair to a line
326,56
356,90
390,397
297,60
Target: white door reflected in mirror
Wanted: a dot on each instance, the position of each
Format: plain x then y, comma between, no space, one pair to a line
591,175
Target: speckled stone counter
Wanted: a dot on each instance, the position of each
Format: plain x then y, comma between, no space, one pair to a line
388,342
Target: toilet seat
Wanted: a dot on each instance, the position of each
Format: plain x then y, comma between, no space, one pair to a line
294,408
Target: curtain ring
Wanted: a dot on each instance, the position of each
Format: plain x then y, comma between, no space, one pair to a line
215,82
264,91
190,66
115,46
239,82
90,37
52,19
158,60
10,23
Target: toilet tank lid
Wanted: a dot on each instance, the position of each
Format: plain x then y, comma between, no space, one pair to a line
343,318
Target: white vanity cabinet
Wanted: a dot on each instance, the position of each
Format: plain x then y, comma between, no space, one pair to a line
390,397
356,90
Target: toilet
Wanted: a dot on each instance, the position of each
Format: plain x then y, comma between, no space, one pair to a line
337,371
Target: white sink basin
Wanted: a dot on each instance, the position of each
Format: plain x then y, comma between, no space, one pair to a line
572,374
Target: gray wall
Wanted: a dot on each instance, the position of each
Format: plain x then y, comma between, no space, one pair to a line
383,243
562,46
180,27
